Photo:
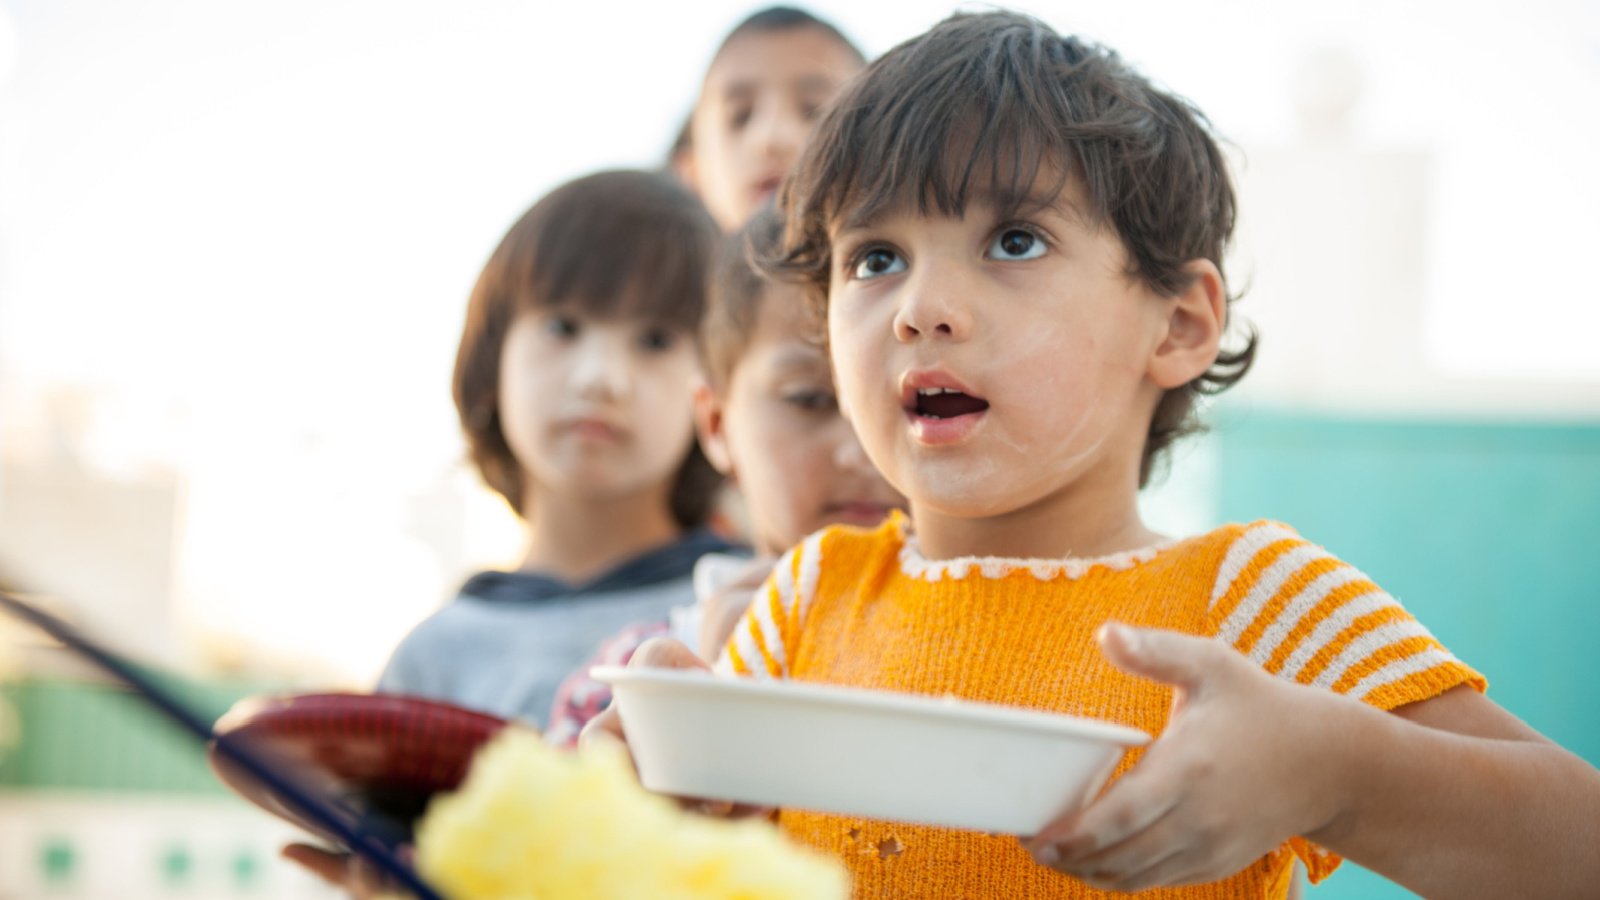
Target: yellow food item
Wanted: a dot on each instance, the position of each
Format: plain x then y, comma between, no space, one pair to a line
534,822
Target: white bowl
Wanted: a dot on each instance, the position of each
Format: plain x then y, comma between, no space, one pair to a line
874,754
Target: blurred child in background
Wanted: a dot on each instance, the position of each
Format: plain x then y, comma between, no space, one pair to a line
574,386
766,85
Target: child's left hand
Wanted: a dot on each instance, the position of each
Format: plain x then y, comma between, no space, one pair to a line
724,608
1230,779
361,879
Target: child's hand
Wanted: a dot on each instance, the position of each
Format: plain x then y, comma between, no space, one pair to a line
1232,777
721,612
344,870
656,653
661,653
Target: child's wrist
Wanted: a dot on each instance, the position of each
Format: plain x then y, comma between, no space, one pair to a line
1339,765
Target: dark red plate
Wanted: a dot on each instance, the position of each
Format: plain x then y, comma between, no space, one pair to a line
376,758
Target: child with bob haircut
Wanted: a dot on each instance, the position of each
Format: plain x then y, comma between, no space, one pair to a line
574,385
1018,242
768,418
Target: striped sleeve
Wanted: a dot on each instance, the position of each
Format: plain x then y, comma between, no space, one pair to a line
1305,616
765,640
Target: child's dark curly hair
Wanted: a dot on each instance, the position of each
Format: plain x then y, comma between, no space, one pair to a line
985,104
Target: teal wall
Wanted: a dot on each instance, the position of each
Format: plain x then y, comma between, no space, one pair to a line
1489,532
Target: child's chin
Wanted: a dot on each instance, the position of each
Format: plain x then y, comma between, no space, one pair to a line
958,503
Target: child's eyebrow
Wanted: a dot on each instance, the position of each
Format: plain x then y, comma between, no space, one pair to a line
802,358
1062,204
858,219
815,83
738,90
806,84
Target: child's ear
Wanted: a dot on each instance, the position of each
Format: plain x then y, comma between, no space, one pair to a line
1194,322
709,427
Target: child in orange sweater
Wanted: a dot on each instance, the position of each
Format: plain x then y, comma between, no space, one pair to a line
1018,242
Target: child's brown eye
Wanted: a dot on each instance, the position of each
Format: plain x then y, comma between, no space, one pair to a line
813,401
1016,243
561,326
879,261
657,339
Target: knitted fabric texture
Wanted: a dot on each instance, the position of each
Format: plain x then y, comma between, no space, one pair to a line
865,608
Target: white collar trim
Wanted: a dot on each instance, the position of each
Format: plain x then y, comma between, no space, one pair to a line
915,565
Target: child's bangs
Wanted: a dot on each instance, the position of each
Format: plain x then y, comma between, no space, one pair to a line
618,267
620,244
936,125
995,156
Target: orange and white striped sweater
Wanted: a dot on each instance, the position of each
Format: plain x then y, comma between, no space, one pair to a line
865,608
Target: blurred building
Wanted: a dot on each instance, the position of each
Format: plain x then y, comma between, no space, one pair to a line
109,540
101,799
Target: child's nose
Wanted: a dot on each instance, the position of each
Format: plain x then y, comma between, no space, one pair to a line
931,311
779,132
601,369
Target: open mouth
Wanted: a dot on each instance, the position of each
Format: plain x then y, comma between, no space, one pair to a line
946,403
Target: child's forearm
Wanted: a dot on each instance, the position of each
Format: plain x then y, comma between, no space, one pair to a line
1451,815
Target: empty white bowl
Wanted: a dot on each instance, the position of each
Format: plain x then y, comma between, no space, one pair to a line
874,754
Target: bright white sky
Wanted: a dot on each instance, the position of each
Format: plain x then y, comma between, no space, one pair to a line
252,226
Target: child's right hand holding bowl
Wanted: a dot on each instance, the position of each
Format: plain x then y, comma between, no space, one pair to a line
1249,760
662,653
